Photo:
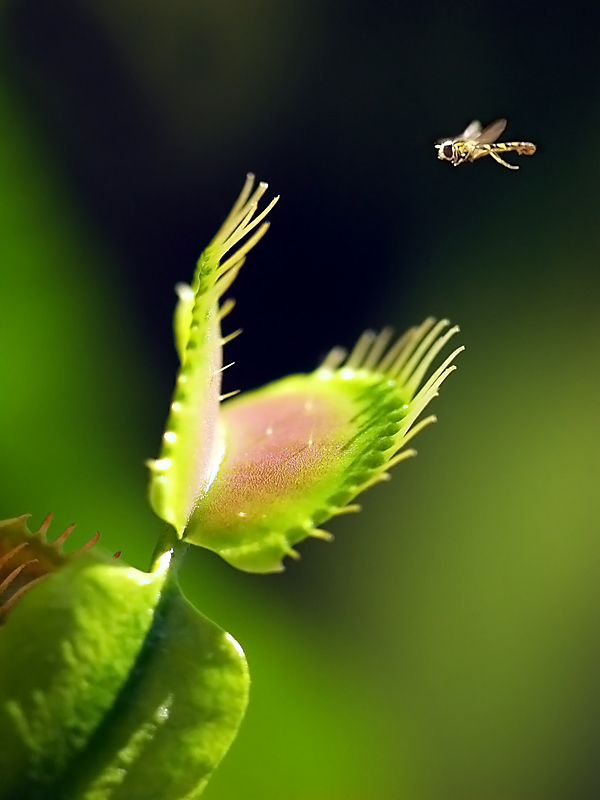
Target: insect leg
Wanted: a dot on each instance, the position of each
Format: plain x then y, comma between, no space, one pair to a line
497,158
480,151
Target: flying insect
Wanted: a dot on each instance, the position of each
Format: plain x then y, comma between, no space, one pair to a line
476,142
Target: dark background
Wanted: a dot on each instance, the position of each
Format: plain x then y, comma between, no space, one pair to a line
446,645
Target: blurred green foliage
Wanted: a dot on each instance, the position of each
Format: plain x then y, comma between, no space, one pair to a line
446,645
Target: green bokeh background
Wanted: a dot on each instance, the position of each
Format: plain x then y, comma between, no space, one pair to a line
446,645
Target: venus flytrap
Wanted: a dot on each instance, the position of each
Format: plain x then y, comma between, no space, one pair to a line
296,452
112,685
191,443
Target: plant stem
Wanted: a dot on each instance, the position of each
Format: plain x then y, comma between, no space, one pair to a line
169,540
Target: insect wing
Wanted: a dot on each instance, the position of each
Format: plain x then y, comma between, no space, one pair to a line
491,132
470,133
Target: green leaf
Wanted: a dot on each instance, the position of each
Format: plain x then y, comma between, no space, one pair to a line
65,652
176,717
112,685
191,445
299,450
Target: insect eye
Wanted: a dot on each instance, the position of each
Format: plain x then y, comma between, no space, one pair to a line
448,151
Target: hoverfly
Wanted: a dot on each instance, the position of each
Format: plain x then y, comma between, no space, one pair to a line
475,143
